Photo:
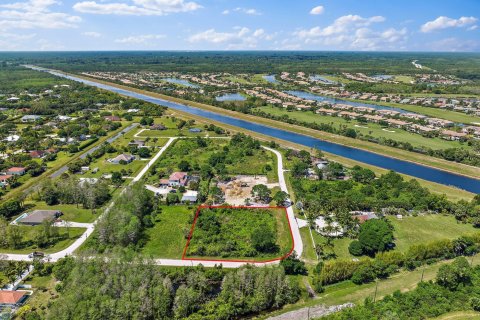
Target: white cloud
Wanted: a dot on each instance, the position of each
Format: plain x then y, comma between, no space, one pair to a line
317,10
92,34
352,32
443,22
35,14
340,25
140,39
474,27
241,37
248,11
137,7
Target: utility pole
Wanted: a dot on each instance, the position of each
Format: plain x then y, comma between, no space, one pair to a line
376,288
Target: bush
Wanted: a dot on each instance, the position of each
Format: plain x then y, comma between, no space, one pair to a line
293,266
355,248
364,274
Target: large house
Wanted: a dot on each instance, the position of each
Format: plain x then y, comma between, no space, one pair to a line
30,118
11,299
4,180
122,157
17,171
37,217
178,179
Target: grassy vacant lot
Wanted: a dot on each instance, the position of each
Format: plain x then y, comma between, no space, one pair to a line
410,231
225,233
372,129
460,315
167,238
29,234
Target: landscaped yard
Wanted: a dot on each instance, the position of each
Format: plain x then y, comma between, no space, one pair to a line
252,234
167,238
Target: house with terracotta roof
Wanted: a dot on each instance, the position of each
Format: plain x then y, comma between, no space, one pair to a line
37,154
112,118
4,179
178,179
17,171
10,298
452,135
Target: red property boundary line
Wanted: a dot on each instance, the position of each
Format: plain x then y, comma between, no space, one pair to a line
236,260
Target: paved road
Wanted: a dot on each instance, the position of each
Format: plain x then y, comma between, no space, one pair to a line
298,243
297,239
90,151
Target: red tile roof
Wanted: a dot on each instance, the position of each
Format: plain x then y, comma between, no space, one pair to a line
16,169
5,177
10,297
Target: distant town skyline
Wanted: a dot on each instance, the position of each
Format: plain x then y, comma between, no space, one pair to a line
369,25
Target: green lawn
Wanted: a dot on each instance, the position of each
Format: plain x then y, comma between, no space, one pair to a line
172,131
70,211
422,229
227,234
372,129
410,231
29,234
166,239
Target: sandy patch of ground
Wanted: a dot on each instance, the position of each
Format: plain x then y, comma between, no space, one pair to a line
240,188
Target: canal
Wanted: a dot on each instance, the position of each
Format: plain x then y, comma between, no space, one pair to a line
405,167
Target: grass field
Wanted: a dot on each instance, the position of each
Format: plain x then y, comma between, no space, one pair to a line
226,233
29,234
372,129
410,231
172,131
166,239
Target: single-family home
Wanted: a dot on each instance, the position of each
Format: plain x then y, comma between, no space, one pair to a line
37,217
190,196
112,118
16,171
122,157
37,154
452,135
137,143
30,118
157,127
178,179
12,298
4,179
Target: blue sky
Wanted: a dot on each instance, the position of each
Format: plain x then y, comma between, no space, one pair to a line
376,25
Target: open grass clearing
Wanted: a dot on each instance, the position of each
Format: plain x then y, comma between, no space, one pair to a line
410,231
29,235
167,238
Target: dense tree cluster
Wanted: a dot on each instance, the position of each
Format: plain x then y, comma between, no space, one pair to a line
71,190
137,289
